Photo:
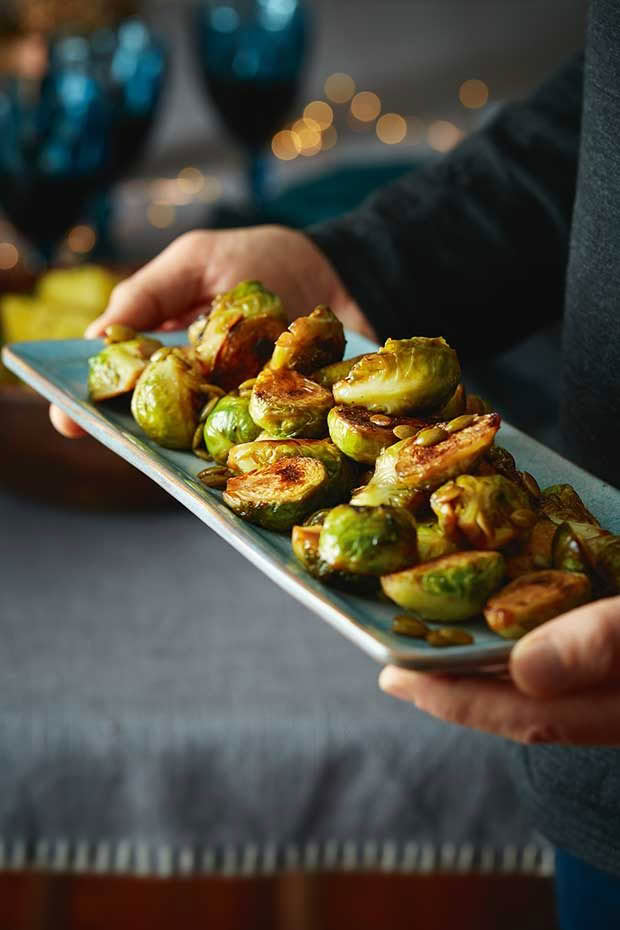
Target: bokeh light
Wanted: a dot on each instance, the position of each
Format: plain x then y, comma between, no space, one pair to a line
161,215
443,135
308,136
9,256
81,239
339,87
473,94
191,181
365,106
285,145
391,128
320,113
211,189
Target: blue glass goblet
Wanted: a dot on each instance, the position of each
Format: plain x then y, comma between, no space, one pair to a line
251,55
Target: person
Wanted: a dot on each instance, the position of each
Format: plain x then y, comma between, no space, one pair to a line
516,227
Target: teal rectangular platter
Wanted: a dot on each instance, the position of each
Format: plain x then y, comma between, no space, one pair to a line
58,371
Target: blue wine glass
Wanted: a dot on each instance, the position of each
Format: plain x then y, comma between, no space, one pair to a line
66,137
252,54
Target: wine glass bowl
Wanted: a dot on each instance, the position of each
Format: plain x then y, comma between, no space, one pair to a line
70,131
251,55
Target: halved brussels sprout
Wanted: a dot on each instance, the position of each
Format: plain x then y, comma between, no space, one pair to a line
305,542
533,599
534,553
489,512
167,399
433,542
280,495
286,404
368,540
454,587
410,464
229,424
239,334
406,376
363,435
251,455
562,504
116,369
373,495
310,342
329,374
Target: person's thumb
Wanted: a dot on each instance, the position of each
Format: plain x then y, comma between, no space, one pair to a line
574,652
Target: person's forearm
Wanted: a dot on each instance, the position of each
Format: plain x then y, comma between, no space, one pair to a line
473,247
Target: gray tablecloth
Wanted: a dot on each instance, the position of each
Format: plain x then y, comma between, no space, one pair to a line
164,707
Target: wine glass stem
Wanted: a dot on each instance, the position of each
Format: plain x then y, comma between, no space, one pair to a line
258,173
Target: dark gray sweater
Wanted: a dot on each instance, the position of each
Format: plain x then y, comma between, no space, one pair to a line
477,248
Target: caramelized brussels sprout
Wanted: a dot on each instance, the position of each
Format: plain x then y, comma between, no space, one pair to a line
116,369
454,587
562,504
475,404
406,376
167,399
489,512
329,374
251,455
583,547
532,599
278,496
229,424
363,435
286,404
239,334
410,464
433,542
368,540
305,542
534,552
310,342
373,495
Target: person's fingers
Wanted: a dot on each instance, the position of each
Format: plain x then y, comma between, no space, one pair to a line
168,287
65,424
576,651
494,706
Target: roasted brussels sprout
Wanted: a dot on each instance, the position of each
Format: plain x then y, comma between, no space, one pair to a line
363,435
310,342
167,399
229,424
433,542
562,504
583,547
412,464
533,553
454,587
239,334
116,369
251,455
488,512
286,404
305,542
406,376
373,495
532,599
278,496
329,374
456,405
368,540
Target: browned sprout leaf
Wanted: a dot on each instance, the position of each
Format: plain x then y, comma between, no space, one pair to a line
562,504
285,405
310,342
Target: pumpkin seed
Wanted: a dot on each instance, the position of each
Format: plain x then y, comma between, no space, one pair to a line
530,483
404,431
118,332
449,636
459,423
409,626
208,407
430,437
379,419
215,477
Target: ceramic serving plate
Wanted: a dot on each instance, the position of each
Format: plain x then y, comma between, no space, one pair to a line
58,370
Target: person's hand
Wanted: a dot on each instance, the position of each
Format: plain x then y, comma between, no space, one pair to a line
564,684
179,284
